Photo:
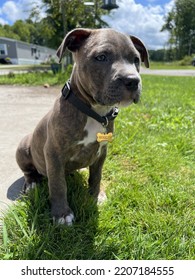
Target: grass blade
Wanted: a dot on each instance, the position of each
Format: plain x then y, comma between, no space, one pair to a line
5,235
19,222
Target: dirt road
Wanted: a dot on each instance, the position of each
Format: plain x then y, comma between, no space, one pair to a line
164,72
20,110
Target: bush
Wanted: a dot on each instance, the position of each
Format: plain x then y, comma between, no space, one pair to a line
187,60
64,76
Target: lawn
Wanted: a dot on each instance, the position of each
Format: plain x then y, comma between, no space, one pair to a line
35,78
149,179
175,65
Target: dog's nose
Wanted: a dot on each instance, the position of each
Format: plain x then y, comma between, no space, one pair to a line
131,82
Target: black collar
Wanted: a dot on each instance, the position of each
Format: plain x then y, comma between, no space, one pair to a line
81,106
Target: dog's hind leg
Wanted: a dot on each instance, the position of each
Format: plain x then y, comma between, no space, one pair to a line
25,162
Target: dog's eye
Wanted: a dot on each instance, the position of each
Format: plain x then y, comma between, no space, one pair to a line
136,61
101,57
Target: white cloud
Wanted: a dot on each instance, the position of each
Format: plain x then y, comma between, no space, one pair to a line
168,6
142,21
2,21
11,11
14,10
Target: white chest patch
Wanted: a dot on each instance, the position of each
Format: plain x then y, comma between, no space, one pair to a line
92,127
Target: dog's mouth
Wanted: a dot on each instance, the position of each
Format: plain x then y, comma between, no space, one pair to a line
126,103
122,100
119,93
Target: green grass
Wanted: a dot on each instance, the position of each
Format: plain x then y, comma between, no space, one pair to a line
170,65
150,183
35,78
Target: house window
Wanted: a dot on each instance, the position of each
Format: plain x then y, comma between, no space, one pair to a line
3,49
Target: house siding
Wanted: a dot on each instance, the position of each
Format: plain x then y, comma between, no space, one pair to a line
11,48
25,53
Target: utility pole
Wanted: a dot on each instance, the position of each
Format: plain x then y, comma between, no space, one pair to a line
62,11
64,22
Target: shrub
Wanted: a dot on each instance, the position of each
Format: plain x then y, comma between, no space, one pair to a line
187,60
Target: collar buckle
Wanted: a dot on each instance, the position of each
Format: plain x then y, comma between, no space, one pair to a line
66,90
115,112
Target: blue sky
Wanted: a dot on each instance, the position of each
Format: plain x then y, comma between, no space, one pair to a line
142,18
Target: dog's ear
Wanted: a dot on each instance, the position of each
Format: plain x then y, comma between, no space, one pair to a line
72,41
139,45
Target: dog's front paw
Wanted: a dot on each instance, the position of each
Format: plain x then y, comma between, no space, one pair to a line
28,186
65,220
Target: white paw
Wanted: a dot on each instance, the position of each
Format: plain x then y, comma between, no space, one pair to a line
101,197
29,187
68,220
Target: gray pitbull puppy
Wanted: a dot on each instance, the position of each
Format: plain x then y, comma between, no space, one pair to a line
105,75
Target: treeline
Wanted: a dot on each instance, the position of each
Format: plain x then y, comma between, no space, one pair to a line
161,55
180,23
28,31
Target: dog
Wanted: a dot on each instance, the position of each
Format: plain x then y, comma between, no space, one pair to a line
75,133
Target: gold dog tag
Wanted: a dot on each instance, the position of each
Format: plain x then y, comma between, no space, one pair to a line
104,137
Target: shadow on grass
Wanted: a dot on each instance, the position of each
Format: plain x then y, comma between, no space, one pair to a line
31,234
15,190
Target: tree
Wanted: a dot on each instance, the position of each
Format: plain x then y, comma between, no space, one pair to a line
23,30
20,30
64,15
157,55
6,31
180,22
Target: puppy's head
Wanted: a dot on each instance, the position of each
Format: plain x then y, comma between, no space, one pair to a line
107,65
